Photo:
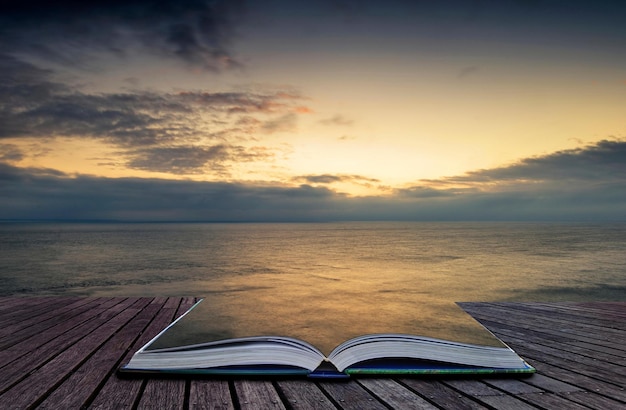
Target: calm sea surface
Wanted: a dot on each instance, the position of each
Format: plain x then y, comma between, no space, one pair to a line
438,261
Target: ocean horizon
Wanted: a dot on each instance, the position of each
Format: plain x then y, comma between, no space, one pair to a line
439,261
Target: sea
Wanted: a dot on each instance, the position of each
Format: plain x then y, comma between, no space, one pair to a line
451,261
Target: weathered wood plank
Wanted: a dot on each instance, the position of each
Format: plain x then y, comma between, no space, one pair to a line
71,362
571,320
75,391
506,402
36,324
10,304
351,395
38,306
595,401
614,355
43,327
37,385
608,314
538,331
257,394
551,401
562,370
171,388
395,395
582,381
568,360
118,393
441,395
210,395
59,332
513,386
19,369
488,395
304,395
163,394
591,332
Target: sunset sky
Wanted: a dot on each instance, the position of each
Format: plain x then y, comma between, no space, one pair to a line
313,110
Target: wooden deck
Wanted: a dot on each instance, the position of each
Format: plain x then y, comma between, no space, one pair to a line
62,353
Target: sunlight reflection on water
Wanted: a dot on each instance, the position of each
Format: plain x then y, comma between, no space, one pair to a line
436,261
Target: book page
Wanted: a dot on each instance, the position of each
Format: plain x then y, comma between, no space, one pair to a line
321,310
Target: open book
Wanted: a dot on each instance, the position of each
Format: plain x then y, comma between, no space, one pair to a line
202,342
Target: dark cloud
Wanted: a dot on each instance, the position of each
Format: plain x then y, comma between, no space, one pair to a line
564,185
32,104
48,194
428,192
10,153
193,159
198,32
137,119
157,129
27,175
35,193
320,179
25,80
246,102
125,119
602,161
331,178
587,183
23,87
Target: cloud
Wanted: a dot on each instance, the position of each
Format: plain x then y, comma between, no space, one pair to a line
193,159
467,72
330,179
34,106
123,119
43,195
342,182
155,129
320,179
27,175
285,123
429,192
337,120
587,182
597,194
602,161
247,102
10,153
194,31
23,86
25,80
